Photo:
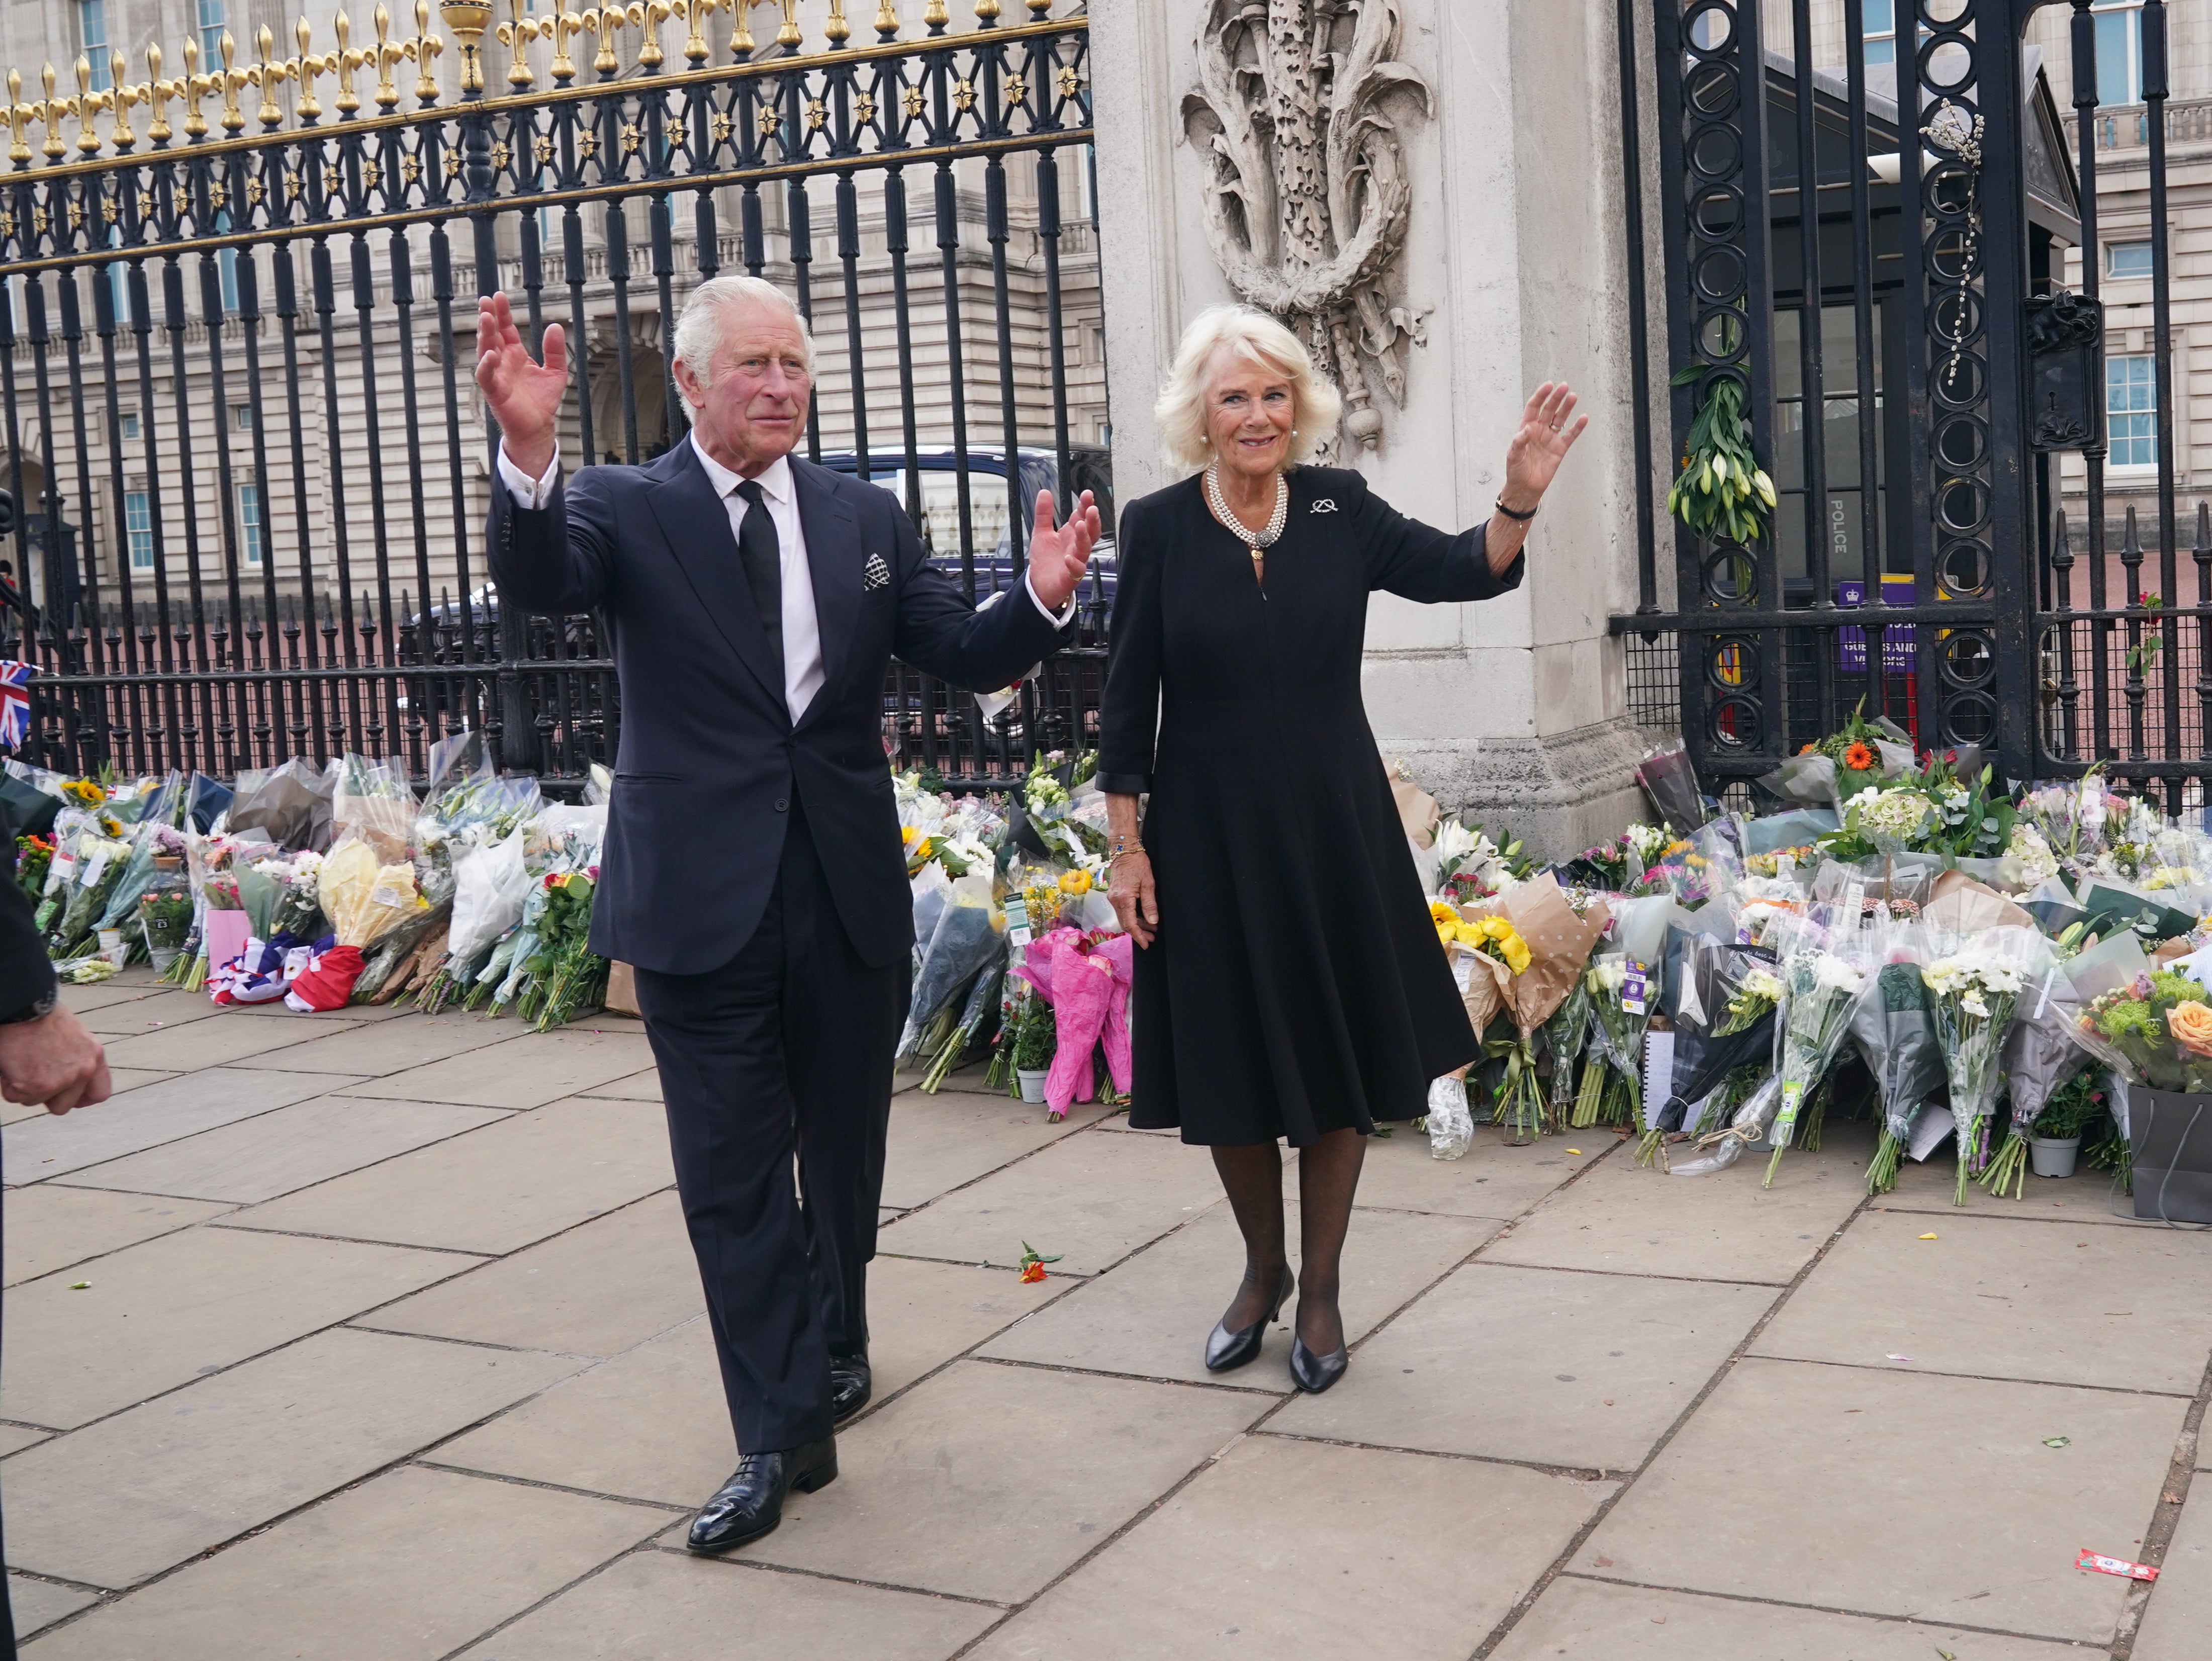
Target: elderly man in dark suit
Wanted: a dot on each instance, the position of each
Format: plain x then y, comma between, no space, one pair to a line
753,872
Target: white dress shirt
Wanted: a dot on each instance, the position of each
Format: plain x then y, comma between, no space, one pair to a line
802,628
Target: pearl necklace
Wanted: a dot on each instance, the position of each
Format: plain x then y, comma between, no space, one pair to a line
1276,520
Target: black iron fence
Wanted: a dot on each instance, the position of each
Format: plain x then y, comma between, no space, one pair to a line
1893,246
238,328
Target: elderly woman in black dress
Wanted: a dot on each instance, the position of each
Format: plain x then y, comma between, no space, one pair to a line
1289,984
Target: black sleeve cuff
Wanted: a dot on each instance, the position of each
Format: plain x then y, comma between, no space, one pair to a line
1123,784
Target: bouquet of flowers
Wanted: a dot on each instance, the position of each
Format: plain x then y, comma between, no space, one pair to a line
1888,820
1822,976
1894,1027
33,855
165,917
2070,818
2156,1031
365,900
1973,985
1621,999
1619,864
566,976
966,939
2039,1054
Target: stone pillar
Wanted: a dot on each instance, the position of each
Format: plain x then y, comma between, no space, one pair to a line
1515,256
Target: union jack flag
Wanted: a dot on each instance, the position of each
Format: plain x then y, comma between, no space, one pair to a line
15,702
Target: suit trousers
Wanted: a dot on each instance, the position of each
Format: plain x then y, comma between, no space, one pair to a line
784,1050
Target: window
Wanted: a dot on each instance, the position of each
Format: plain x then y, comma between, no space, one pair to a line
129,426
249,522
1879,20
241,416
138,529
91,41
226,262
2127,259
2119,51
209,14
2131,410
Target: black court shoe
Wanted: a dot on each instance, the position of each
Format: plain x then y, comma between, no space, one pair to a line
851,1384
1225,1351
1315,1373
750,1504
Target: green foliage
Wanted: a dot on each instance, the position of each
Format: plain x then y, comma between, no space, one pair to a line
1722,492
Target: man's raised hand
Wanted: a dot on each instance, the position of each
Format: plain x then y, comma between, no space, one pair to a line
1059,554
524,395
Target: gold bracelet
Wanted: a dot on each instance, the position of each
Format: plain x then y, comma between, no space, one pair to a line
1124,853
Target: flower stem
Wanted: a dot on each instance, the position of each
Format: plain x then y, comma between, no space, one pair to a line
1881,1170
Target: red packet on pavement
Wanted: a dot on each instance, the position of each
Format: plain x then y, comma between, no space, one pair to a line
2119,1566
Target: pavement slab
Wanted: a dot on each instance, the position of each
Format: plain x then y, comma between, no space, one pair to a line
120,1079
2086,1197
599,1289
49,1227
1283,1549
82,1001
938,1142
156,1315
637,1087
375,1052
405,1568
525,1071
37,1604
147,1009
292,1147
1036,1466
496,1190
181,1045
43,1146
1150,1317
1636,1220
1552,1367
2000,1298
1831,1486
659,1606
1489,1180
14,1438
170,1478
1591,1621
1092,1199
2176,1624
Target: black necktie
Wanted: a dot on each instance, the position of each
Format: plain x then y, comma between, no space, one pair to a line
762,556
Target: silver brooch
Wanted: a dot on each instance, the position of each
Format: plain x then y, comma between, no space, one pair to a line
875,573
1325,505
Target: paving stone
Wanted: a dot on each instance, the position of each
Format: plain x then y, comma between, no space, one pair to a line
14,1438
403,1569
150,1009
1282,1548
49,1227
1031,1469
1551,1366
120,1079
45,1146
637,1087
2003,1299
157,1315
277,1010
182,1045
1727,1226
1591,1621
83,1000
375,1050
37,1604
1877,1458
170,1478
598,1289
968,1081
527,1071
274,1154
938,1142
653,1424
1490,1180
1150,1315
495,1191
1090,1199
657,1606
2181,1613
2086,1197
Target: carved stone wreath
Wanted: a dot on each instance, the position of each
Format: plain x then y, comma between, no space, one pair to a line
1297,116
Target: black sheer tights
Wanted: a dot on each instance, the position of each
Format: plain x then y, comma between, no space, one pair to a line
1329,1178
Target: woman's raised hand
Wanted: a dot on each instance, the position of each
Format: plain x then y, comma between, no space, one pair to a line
1129,886
523,395
1546,432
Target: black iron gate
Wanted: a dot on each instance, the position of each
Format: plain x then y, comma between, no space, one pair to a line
237,337
1878,222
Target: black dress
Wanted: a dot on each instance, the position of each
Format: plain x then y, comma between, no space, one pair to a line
1295,986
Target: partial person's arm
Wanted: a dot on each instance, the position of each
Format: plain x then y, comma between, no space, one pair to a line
1129,726
52,1061
549,549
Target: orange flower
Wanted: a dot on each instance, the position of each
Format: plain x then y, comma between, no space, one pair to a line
1033,1273
1808,749
1860,758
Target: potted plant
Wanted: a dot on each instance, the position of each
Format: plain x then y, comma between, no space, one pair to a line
1034,1045
2054,1138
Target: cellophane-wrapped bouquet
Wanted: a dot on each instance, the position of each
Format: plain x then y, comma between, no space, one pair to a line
1973,985
1895,1028
1823,970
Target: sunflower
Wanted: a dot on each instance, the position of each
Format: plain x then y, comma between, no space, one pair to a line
1860,757
1077,881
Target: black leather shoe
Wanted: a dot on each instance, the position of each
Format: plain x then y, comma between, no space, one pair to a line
1315,1373
1226,1350
750,1504
851,1384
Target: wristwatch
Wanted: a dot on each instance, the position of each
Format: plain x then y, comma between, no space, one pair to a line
38,1009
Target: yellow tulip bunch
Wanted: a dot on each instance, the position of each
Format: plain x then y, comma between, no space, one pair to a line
1494,936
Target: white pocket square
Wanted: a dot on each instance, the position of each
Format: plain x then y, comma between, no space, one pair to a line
874,575
1325,505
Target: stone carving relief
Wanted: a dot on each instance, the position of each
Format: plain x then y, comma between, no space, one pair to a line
1298,116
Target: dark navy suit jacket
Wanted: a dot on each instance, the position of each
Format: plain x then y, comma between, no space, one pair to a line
710,761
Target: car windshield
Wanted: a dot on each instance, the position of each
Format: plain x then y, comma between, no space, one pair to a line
987,507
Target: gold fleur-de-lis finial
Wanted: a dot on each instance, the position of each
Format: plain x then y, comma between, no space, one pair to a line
887,21
650,15
193,86
423,49
788,36
85,104
696,52
308,66
120,133
345,60
19,147
836,31
609,18
158,93
741,32
565,25
518,34
50,110
234,119
385,55
935,15
266,76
